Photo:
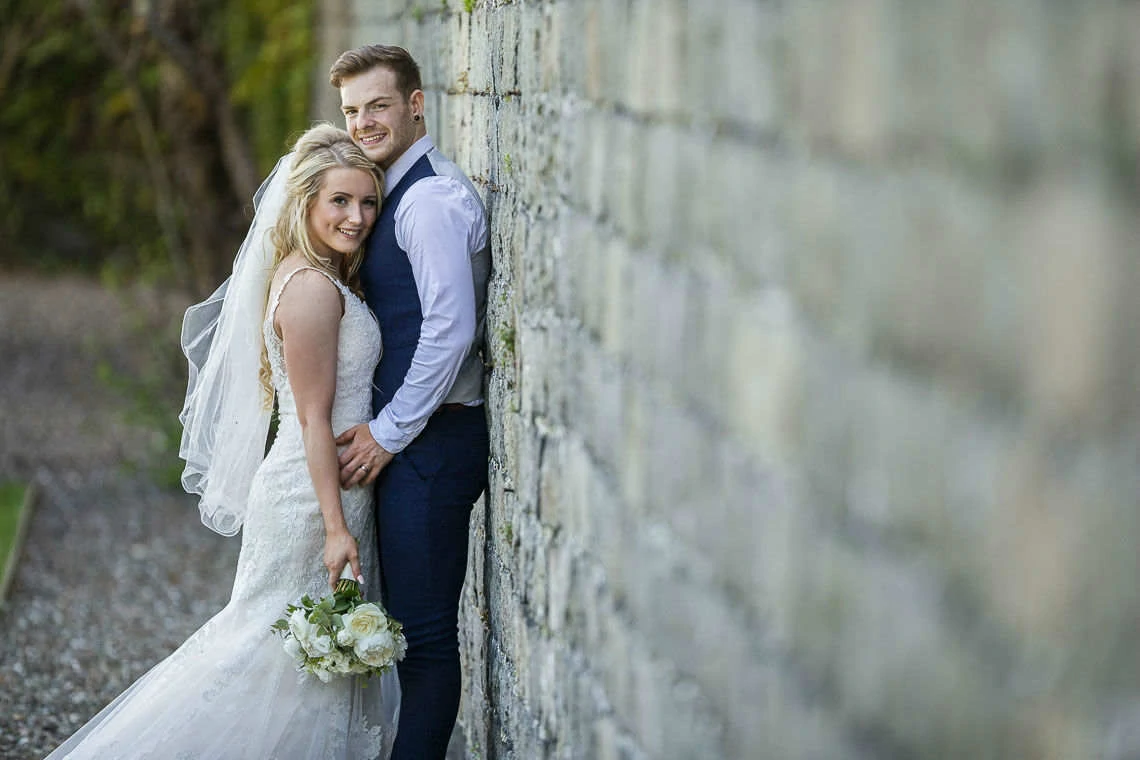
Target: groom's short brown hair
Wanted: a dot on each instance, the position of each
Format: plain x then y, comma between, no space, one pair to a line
367,57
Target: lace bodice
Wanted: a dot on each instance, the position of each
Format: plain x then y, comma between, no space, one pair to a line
358,350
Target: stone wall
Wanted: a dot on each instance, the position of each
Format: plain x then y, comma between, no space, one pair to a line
815,382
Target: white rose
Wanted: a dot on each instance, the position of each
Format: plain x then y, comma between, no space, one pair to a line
319,645
376,650
364,621
301,628
345,638
293,648
339,662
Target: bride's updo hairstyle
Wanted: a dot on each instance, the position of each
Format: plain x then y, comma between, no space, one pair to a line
318,150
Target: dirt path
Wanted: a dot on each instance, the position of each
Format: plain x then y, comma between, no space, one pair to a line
117,571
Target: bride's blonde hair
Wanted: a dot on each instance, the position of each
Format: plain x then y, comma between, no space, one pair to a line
316,152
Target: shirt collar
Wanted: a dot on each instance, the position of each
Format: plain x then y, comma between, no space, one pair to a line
400,167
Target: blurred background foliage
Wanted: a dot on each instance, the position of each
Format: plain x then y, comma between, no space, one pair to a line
133,134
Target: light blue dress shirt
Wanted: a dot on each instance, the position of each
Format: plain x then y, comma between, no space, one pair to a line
441,224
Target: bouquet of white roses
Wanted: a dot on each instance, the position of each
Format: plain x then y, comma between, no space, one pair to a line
341,634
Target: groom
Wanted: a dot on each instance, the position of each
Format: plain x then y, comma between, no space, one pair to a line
425,277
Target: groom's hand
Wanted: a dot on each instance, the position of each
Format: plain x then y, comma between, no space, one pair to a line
363,460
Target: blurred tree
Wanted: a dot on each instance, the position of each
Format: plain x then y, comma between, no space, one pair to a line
133,134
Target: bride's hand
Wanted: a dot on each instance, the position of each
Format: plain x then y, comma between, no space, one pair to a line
341,550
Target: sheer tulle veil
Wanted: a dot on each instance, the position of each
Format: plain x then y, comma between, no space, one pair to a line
225,418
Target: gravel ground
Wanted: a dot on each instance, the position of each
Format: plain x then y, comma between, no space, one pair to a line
116,571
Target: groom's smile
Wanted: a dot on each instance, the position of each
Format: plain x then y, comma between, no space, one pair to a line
381,120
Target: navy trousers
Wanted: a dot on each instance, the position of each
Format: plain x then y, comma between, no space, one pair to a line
423,508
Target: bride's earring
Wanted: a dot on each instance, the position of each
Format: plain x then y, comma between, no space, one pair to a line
416,117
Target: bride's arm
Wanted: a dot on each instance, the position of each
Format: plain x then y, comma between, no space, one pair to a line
308,319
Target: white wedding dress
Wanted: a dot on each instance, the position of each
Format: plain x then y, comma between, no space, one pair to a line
230,691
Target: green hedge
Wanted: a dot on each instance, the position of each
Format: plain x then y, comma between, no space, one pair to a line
129,140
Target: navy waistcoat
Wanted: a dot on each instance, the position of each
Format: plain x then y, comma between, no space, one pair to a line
390,290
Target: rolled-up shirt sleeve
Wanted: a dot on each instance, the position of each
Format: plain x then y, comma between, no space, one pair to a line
439,224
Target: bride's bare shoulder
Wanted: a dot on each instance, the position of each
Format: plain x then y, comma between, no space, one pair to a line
285,269
300,290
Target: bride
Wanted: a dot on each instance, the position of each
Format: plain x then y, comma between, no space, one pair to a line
286,322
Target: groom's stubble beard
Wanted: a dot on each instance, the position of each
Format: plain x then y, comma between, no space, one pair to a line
400,140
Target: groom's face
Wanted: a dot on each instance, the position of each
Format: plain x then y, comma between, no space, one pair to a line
379,118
